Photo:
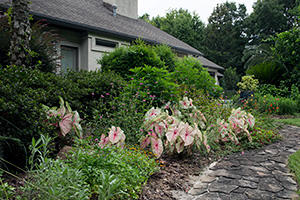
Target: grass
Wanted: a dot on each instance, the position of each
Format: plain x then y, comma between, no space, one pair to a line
294,165
294,122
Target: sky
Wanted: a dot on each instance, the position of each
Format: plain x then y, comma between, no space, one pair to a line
203,8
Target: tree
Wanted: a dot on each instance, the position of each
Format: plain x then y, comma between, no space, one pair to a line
270,17
224,36
183,25
21,33
231,78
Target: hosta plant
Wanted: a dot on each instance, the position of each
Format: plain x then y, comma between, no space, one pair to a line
174,128
64,118
237,125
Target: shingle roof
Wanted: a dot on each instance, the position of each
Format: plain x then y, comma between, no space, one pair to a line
91,15
207,63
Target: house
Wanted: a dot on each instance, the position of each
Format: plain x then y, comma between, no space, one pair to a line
91,28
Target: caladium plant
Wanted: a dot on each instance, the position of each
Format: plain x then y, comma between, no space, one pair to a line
64,118
174,132
237,125
115,137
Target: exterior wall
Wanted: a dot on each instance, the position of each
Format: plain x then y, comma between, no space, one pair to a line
128,8
97,51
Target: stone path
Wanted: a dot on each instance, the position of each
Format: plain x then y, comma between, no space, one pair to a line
255,174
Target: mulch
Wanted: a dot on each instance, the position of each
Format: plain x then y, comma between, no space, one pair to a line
174,176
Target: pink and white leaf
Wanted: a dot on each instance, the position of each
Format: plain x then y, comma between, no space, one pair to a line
187,134
160,129
66,124
103,141
145,142
115,134
173,133
157,147
180,145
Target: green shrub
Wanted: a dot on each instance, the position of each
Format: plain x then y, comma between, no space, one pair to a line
124,58
231,78
189,71
156,82
22,94
130,165
287,106
56,180
167,56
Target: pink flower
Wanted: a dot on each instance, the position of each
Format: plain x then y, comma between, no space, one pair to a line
107,93
102,96
93,94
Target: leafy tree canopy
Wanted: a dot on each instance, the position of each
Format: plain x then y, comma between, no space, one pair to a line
182,24
224,36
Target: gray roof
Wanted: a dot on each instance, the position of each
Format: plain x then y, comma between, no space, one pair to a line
93,16
207,63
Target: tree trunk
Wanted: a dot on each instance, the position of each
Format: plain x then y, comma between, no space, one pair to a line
21,33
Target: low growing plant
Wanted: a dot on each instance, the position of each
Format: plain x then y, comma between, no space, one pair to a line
177,131
237,126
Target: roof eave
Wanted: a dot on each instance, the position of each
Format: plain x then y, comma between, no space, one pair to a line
84,27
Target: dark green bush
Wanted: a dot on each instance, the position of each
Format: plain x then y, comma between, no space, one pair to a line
287,106
22,94
189,71
231,78
125,58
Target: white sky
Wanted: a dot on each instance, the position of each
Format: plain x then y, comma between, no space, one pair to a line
203,8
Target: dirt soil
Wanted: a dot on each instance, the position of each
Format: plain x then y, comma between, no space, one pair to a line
173,176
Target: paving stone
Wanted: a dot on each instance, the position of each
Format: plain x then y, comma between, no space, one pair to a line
270,184
215,187
251,178
207,179
260,195
258,174
201,185
237,196
239,190
247,184
209,196
287,179
196,192
288,194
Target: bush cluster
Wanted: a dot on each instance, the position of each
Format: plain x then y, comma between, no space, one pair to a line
22,93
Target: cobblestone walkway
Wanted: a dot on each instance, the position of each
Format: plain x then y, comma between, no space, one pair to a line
256,174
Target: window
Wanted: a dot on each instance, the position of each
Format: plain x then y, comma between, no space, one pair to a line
106,43
69,58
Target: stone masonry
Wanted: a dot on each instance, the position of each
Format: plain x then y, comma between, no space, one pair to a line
254,174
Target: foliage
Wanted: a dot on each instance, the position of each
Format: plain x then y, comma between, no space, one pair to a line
64,118
155,81
189,71
124,58
294,164
294,122
231,78
266,73
167,56
224,39
130,166
248,83
43,42
125,110
174,132
261,137
236,126
6,191
55,179
270,17
22,93
183,25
